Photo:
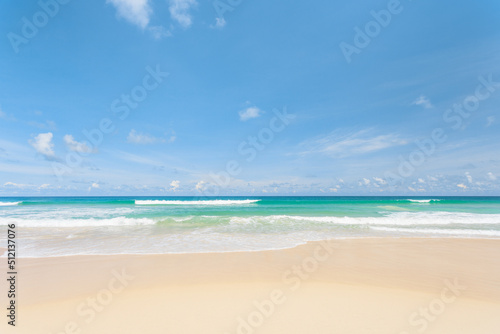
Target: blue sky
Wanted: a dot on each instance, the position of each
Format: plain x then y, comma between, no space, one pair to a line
184,97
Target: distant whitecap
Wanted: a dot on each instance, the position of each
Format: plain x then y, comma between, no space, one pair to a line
220,202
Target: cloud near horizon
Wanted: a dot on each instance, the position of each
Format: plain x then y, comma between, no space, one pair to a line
175,185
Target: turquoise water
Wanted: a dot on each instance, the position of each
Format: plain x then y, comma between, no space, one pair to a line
114,225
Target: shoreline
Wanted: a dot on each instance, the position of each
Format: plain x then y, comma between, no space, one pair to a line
212,292
259,250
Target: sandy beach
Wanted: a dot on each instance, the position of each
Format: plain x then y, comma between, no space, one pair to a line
377,285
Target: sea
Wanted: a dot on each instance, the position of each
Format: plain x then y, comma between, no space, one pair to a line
63,226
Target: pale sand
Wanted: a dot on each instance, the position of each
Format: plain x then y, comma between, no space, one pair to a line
363,286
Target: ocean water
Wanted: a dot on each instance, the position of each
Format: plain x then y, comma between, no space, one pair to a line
154,225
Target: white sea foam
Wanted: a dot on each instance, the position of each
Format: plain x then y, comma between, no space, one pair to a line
391,219
117,221
394,218
194,234
9,203
206,202
423,200
28,212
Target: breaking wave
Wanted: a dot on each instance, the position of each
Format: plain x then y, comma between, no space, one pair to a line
220,202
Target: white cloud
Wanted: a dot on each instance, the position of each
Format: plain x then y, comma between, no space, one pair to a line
44,186
172,138
461,185
144,139
249,113
379,180
94,186
159,32
179,11
345,145
421,181
491,176
73,145
43,144
423,101
469,177
175,185
366,181
135,11
200,186
491,120
14,185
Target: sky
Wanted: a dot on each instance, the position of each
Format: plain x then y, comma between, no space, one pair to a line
249,98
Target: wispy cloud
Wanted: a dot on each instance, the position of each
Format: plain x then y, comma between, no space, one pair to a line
172,137
43,144
135,11
361,142
469,177
249,113
73,145
135,158
145,139
179,11
490,120
423,101
48,125
15,185
159,32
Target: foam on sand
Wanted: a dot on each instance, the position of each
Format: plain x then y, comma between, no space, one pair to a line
117,221
206,202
